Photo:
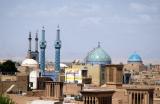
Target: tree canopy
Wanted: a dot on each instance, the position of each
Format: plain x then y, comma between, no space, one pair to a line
8,67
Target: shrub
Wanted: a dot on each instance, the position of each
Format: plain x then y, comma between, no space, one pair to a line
5,100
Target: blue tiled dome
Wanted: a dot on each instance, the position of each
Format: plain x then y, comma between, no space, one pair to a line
98,56
135,58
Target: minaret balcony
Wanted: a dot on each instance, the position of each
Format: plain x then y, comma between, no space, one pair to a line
43,44
58,46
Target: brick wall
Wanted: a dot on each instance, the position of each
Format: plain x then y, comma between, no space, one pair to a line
20,85
71,89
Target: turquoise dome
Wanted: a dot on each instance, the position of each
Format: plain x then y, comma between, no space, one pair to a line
135,58
98,56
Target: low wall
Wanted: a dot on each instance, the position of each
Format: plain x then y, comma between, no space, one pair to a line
72,89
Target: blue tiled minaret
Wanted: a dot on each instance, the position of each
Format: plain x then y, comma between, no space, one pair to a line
42,47
57,45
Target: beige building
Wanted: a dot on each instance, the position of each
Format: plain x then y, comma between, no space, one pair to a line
99,74
134,67
114,75
97,96
54,90
140,95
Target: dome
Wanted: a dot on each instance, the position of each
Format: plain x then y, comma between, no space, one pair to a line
135,58
63,65
30,63
98,56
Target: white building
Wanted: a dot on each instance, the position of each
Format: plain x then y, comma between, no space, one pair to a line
33,69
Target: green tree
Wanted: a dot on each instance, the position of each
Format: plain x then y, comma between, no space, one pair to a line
8,67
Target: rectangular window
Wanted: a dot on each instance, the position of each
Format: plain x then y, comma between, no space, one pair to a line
110,75
84,73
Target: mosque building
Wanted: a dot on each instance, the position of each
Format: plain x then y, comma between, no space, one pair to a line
94,70
32,68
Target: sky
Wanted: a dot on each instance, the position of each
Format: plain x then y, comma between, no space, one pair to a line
121,26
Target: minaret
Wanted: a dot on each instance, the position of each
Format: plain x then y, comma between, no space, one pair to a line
29,48
36,42
36,48
57,51
42,47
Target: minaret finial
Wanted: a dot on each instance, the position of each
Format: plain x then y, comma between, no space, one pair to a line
43,27
99,44
58,26
58,33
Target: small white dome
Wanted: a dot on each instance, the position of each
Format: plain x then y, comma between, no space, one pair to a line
63,65
30,63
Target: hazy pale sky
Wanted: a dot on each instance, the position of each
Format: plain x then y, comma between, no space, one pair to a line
122,27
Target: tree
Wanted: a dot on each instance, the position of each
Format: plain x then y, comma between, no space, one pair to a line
1,67
8,67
